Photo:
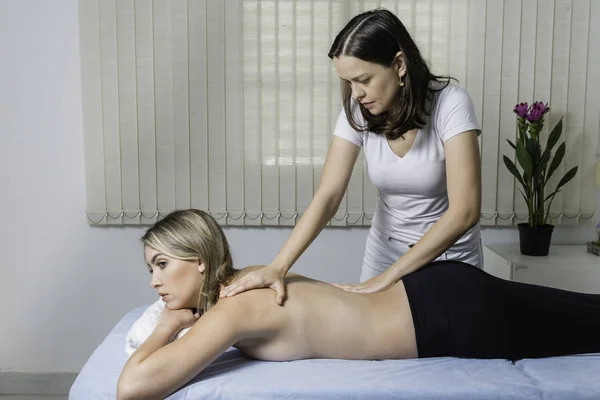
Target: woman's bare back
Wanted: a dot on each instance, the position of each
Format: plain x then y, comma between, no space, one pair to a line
319,320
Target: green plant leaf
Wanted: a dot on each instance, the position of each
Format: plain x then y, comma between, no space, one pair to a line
568,176
544,161
554,135
513,169
524,197
526,186
565,179
558,156
511,144
524,159
552,194
534,150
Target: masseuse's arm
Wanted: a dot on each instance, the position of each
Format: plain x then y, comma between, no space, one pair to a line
158,367
463,176
340,161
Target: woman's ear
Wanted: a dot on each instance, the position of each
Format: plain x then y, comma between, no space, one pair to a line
201,267
400,64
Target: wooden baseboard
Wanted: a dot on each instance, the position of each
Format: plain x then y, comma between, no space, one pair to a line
36,383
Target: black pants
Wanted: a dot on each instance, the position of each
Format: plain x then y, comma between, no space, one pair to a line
461,311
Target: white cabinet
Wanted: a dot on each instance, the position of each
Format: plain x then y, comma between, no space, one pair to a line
568,267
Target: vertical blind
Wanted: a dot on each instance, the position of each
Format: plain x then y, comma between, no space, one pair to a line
229,106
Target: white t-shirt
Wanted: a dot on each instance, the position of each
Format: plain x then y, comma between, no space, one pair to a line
413,192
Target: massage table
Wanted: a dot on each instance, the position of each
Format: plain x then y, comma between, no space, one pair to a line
233,376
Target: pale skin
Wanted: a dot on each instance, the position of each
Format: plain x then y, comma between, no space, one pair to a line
375,86
350,326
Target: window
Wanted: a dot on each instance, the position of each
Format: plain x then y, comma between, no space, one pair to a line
229,106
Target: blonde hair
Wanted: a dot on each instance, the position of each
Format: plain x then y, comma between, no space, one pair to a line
190,235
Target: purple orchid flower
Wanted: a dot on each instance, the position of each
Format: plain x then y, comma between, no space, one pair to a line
521,110
537,111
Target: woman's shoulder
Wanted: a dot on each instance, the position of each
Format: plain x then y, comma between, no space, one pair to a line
262,300
449,94
244,271
453,112
453,106
254,312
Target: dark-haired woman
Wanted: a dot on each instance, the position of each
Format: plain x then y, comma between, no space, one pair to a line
419,134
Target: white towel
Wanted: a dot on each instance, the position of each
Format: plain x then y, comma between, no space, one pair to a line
144,326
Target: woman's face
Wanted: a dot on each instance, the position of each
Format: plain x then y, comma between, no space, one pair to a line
176,281
373,85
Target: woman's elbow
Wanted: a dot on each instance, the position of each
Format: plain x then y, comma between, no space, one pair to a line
135,392
467,217
471,217
125,392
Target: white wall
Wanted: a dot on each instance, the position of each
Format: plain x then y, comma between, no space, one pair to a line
63,283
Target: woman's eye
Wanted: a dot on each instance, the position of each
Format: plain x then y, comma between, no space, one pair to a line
150,271
162,264
365,81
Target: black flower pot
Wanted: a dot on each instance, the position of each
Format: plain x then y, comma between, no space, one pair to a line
535,240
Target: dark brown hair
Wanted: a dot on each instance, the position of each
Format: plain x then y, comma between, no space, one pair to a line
377,36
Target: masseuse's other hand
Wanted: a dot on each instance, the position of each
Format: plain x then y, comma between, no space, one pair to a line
269,276
177,320
373,285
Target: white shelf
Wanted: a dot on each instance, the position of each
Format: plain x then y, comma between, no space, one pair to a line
568,267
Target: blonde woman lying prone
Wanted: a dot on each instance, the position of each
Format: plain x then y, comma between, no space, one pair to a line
445,309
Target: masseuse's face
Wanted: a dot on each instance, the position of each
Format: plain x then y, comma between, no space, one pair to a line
176,281
373,85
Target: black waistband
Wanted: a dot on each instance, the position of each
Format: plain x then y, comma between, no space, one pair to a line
430,292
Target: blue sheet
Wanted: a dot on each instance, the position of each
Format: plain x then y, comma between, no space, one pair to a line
565,376
233,376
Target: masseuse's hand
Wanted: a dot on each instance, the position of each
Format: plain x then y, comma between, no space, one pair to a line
373,285
176,320
269,276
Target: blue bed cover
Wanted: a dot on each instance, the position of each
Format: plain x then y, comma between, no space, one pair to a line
233,376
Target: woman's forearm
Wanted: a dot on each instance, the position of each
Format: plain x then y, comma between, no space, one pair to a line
316,216
340,161
132,382
440,237
161,365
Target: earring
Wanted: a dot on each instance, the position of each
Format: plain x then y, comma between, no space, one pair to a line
401,83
